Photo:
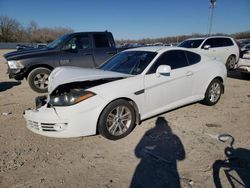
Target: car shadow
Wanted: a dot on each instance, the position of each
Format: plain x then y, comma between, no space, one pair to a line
159,150
237,75
8,85
236,168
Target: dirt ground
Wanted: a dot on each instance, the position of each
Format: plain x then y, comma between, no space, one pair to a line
175,148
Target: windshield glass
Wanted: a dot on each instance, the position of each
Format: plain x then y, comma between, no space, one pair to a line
130,62
191,43
57,42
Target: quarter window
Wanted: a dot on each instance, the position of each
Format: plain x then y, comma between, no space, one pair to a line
193,58
174,58
228,42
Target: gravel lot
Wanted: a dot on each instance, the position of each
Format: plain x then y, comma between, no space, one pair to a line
178,146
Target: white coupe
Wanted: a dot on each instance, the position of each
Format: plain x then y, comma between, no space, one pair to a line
130,87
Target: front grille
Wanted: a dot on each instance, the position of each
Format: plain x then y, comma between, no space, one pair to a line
45,126
33,124
48,126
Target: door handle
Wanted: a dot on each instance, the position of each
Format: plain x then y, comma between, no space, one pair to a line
88,54
111,53
189,73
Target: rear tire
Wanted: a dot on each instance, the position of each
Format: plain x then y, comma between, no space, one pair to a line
38,79
213,92
117,120
231,62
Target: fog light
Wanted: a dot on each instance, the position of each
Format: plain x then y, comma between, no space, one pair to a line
60,126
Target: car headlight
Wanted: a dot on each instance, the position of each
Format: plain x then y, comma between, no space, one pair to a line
72,97
13,64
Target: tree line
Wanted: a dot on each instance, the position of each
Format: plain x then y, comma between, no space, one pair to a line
180,38
11,30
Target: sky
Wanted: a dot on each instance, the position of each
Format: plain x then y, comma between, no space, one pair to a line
132,19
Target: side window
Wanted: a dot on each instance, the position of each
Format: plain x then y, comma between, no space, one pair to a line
101,41
174,58
84,42
209,42
78,42
193,58
219,42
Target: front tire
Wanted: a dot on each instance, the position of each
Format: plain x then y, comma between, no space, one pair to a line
231,62
117,120
213,92
38,79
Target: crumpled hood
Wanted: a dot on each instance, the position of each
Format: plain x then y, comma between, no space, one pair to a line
64,75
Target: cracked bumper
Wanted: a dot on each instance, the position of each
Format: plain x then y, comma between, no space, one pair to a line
64,122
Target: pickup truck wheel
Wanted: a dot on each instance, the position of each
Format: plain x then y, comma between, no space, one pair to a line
38,79
117,120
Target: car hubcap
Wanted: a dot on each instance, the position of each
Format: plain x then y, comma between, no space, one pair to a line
41,80
119,120
214,92
231,62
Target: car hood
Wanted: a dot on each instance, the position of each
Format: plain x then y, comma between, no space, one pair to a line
64,75
26,53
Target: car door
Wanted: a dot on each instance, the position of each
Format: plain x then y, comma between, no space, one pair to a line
103,48
77,51
168,91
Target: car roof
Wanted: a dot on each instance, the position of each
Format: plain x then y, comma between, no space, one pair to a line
159,49
202,38
198,38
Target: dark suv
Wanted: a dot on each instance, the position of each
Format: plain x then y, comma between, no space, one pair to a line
83,49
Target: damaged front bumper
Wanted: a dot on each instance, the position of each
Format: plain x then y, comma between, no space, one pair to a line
68,121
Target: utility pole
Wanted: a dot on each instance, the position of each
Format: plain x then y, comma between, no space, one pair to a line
212,5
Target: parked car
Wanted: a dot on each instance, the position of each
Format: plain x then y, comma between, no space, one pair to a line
244,63
84,49
221,47
23,47
132,86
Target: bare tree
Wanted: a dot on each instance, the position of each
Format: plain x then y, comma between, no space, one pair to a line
9,28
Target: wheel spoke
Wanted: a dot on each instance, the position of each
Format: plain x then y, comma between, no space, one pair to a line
36,82
45,76
38,76
42,86
112,127
125,116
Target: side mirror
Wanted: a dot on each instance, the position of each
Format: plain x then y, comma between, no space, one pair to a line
206,47
163,70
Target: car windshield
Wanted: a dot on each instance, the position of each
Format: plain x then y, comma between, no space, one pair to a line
130,62
191,43
57,42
